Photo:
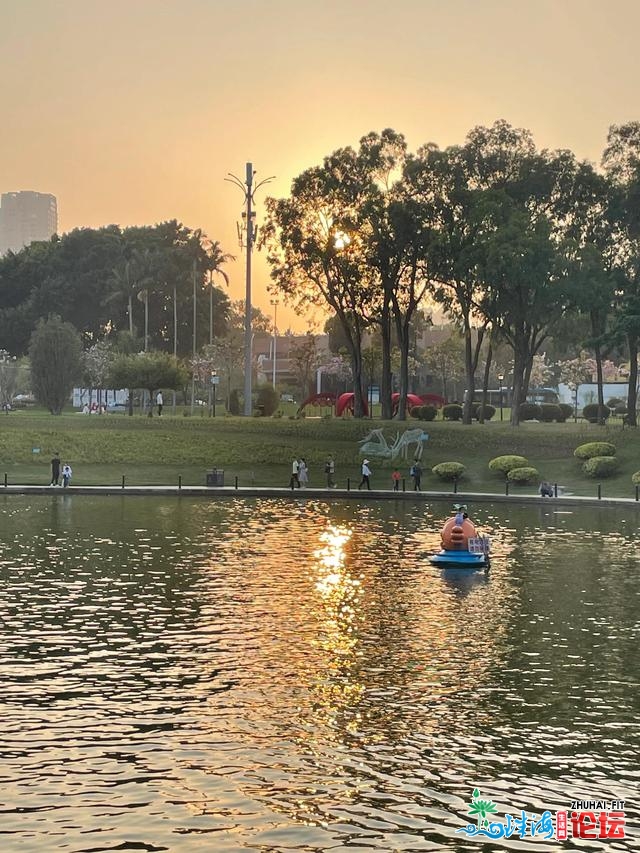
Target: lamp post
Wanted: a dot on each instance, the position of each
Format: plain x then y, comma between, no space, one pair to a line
500,380
250,230
274,302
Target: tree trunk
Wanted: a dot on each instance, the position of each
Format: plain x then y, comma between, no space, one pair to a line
632,397
130,315
404,370
385,379
600,381
485,383
519,366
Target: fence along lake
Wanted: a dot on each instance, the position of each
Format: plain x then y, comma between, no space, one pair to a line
188,675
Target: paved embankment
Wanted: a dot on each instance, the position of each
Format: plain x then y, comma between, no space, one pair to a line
230,492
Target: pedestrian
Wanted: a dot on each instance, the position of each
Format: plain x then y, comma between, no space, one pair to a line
294,481
55,469
67,473
546,489
303,473
396,476
366,473
159,402
417,475
329,470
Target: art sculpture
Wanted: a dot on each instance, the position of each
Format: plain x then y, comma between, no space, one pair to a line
376,445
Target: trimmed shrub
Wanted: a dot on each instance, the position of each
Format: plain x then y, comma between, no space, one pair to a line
522,475
566,411
234,402
614,402
621,410
550,412
489,412
452,412
424,413
635,478
600,466
594,448
590,413
448,470
268,400
530,412
504,464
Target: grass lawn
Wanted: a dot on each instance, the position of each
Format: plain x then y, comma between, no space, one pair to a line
103,448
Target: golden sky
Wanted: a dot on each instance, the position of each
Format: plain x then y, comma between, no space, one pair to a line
133,111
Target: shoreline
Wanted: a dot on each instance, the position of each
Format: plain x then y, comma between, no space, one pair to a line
231,492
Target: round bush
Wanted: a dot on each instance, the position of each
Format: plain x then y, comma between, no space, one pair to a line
614,402
590,413
427,412
268,400
448,470
414,411
530,412
452,412
635,478
594,448
522,475
620,410
566,411
488,411
600,466
550,412
504,464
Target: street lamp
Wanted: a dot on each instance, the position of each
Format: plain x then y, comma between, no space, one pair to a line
500,380
248,190
274,302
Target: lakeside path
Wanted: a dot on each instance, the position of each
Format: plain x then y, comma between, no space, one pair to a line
231,493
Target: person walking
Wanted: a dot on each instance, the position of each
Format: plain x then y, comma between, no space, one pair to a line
294,481
329,470
55,469
395,479
67,473
159,402
303,473
416,473
366,474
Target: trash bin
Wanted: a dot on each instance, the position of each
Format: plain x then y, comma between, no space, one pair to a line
215,477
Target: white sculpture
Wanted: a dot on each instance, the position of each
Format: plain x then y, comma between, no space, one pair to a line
375,444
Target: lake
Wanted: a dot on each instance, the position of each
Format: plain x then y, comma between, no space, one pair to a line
186,675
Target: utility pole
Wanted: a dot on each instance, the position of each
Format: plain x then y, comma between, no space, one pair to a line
274,302
248,188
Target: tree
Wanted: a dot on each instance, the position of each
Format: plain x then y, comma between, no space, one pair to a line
150,371
446,361
55,353
304,359
314,242
621,161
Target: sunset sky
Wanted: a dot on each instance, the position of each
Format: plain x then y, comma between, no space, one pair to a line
133,111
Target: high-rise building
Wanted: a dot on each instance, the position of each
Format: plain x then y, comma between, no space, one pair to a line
25,217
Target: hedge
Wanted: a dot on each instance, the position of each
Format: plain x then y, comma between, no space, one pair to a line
593,413
594,448
550,412
448,470
522,475
600,466
452,412
530,412
504,464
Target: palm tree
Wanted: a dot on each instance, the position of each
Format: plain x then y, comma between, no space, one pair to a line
215,258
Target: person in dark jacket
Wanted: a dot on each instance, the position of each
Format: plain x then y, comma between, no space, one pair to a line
55,469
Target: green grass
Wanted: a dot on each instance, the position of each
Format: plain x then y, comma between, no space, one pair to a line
101,449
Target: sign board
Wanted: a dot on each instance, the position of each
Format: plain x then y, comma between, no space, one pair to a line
35,450
478,544
215,380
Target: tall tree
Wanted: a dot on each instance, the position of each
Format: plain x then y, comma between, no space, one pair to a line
55,354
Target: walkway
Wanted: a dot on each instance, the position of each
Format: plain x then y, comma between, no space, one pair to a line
230,493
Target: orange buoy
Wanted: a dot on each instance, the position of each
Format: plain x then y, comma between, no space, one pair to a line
456,536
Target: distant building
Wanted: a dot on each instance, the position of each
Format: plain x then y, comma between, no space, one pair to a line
26,217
